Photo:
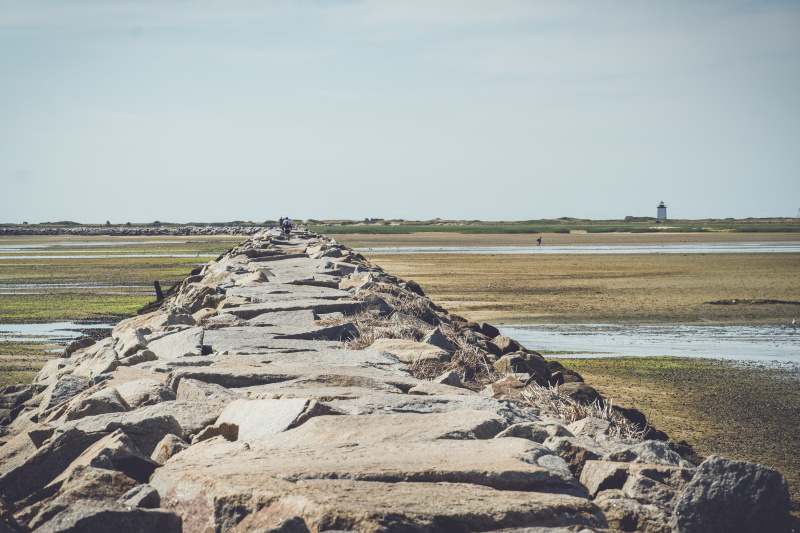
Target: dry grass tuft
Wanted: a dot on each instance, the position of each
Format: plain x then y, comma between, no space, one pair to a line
553,402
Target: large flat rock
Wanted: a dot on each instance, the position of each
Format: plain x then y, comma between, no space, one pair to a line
280,292
424,451
394,404
410,351
254,340
324,387
249,311
207,506
186,343
236,374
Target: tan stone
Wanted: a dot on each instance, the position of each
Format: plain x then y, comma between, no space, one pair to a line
410,351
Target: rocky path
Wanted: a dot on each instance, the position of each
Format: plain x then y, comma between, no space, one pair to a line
292,386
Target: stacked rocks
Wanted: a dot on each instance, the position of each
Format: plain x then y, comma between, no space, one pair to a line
279,389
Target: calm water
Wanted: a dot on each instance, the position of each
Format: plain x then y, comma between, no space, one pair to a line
55,332
677,248
745,343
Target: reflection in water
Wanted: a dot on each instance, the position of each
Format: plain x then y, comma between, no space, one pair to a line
55,332
738,342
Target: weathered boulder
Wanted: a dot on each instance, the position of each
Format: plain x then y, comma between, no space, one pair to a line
256,419
142,356
85,484
449,378
531,431
62,390
28,471
129,342
396,404
194,390
142,497
524,363
167,447
436,338
627,514
506,345
581,393
186,343
144,391
411,351
145,426
78,344
727,495
112,517
101,402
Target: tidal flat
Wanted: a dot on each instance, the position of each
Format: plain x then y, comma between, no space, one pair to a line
742,410
85,287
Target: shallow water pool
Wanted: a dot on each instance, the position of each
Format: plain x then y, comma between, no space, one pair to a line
763,342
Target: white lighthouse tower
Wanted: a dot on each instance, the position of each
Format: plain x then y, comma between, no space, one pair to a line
662,211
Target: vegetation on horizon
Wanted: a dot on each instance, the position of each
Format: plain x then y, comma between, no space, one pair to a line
379,226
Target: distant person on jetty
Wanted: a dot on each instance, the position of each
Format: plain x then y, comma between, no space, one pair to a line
539,241
287,227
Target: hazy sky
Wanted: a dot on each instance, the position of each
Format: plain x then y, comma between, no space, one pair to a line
496,110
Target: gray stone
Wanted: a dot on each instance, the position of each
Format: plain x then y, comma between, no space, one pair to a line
531,431
304,317
294,524
186,343
436,338
727,495
449,378
145,426
323,444
142,356
258,418
348,307
411,351
627,514
79,344
338,332
116,451
193,390
589,427
96,360
112,517
506,345
25,473
85,484
130,342
169,446
145,391
390,404
248,340
101,402
62,390
142,497
429,388
650,451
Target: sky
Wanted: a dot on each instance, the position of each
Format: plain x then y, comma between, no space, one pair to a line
178,110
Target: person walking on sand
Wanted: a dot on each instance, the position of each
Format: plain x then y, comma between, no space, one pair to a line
539,241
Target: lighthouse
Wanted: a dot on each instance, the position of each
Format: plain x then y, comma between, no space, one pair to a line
662,211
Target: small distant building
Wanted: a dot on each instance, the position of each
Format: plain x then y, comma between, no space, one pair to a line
628,218
662,211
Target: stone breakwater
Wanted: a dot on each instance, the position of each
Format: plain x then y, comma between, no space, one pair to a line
284,388
115,231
